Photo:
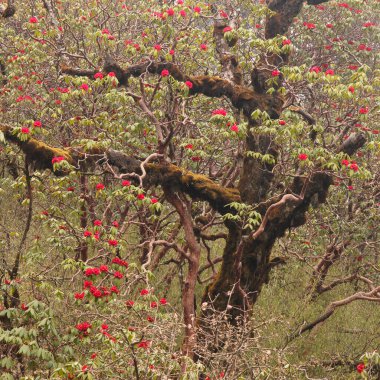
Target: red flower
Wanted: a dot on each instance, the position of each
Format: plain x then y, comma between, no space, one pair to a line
315,69
103,268
345,162
360,367
170,12
234,128
197,10
171,52
163,301
275,73
140,196
79,296
114,243
24,307
157,47
144,292
351,89
189,84
87,284
84,326
164,73
329,25
153,304
150,319
189,146
87,233
227,29
302,156
282,122
329,72
57,159
203,47
98,75
91,271
118,274
114,289
104,326
115,223
37,123
220,111
354,167
97,222
144,344
286,42
182,13
94,355
129,303
363,110
309,25
126,183
25,130
33,20
100,186
153,200
111,74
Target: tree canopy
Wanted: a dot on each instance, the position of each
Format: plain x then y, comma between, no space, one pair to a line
188,189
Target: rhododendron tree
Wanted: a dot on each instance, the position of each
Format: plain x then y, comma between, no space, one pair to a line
189,188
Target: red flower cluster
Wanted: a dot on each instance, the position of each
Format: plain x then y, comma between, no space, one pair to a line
118,261
91,272
118,274
360,367
84,326
57,159
309,25
219,111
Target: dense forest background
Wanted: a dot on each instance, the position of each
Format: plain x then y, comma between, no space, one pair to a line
189,190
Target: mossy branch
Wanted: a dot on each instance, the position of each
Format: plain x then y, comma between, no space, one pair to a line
197,186
37,152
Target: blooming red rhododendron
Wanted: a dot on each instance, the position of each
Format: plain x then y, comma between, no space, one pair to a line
220,111
360,367
98,76
57,159
302,156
